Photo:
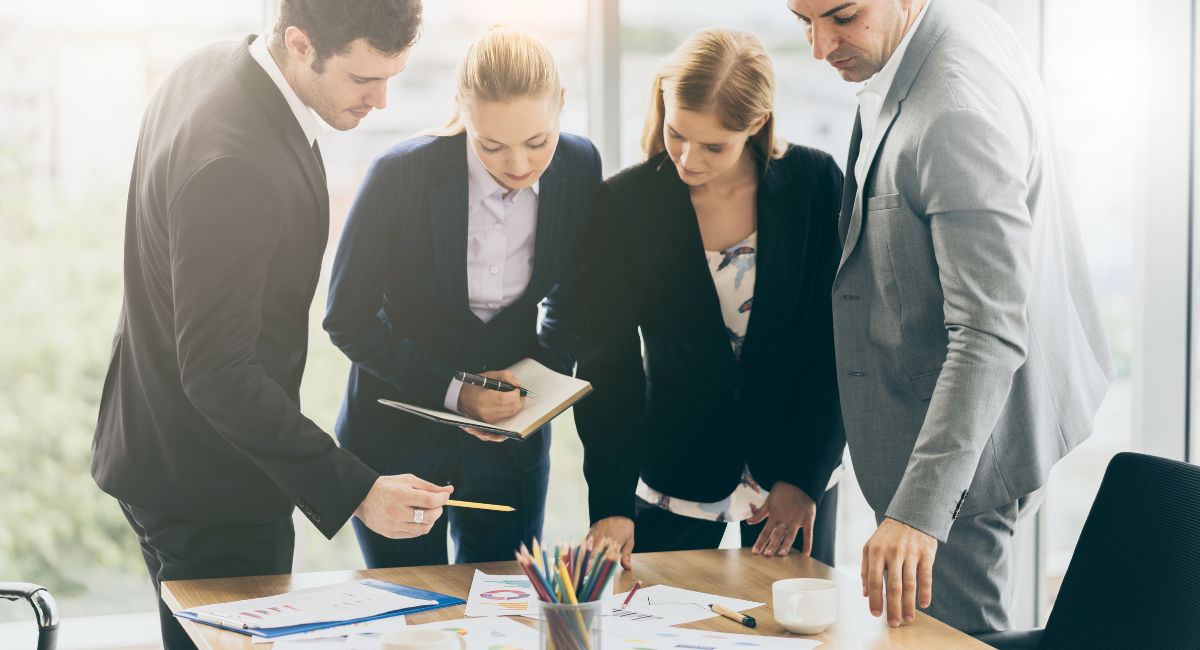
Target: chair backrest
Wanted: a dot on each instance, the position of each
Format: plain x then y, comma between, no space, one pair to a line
1134,580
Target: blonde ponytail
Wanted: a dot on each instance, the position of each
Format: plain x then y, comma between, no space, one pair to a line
501,65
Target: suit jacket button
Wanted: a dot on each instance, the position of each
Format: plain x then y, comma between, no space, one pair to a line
316,518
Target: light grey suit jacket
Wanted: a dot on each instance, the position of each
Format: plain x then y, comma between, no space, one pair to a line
970,351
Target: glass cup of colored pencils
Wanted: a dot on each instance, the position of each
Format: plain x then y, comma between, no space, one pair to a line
571,582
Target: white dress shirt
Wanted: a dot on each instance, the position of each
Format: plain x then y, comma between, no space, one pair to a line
870,101
311,123
501,225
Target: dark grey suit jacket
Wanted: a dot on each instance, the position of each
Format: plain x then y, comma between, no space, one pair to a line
227,220
970,350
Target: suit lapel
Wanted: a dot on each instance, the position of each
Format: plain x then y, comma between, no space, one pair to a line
268,96
923,40
548,241
850,185
314,172
448,198
776,262
683,257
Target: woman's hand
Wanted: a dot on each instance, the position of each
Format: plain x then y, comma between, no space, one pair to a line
788,510
488,405
620,531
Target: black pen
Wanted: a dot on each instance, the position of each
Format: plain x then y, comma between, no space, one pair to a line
490,384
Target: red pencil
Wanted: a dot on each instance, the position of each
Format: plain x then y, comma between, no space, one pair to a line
535,580
602,579
637,585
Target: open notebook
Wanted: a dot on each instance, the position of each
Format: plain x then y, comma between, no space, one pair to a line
554,393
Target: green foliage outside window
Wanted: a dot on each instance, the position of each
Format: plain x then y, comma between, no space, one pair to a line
60,260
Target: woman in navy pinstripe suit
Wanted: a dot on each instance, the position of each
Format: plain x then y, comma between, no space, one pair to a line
453,241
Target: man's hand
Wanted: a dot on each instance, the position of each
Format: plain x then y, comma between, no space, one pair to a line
389,506
903,556
788,510
491,406
620,530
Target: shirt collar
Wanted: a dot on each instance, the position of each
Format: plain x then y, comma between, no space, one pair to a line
311,123
481,184
881,82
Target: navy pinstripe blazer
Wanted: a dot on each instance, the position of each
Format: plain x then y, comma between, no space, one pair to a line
398,302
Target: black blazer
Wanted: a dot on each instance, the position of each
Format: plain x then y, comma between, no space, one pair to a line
690,415
398,301
227,221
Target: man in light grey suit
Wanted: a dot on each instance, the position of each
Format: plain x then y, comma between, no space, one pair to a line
970,352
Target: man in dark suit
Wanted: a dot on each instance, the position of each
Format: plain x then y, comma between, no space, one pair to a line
200,435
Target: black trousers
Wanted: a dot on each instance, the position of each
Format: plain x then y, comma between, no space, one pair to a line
177,549
656,529
513,473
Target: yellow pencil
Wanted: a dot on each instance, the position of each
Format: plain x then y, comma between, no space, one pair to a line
570,591
567,586
481,506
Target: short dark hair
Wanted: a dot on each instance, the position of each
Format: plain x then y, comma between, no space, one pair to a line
390,26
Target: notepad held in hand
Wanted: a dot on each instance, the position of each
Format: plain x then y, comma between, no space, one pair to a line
553,393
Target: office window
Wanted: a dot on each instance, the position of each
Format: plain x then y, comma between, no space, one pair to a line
814,106
77,76
1093,91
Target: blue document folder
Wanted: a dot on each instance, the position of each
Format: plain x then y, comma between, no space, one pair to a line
440,600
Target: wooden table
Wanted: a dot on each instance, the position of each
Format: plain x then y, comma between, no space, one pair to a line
734,573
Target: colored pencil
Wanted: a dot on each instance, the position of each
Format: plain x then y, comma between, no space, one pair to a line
606,572
597,561
637,585
480,506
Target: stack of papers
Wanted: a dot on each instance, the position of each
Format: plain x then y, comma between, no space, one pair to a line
338,633
318,607
490,633
341,602
662,606
678,638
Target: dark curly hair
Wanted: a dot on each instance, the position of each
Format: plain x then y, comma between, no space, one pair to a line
390,26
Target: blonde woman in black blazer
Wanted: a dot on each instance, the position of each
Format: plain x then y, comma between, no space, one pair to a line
712,423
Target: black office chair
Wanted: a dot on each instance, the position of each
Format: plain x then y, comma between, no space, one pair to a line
1134,579
44,608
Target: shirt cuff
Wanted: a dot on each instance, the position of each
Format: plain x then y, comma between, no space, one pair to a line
451,401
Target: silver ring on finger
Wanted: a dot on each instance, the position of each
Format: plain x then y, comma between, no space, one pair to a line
418,516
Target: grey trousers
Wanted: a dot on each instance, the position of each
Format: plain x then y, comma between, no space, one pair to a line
975,571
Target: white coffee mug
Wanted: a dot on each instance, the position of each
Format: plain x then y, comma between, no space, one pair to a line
805,605
421,639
